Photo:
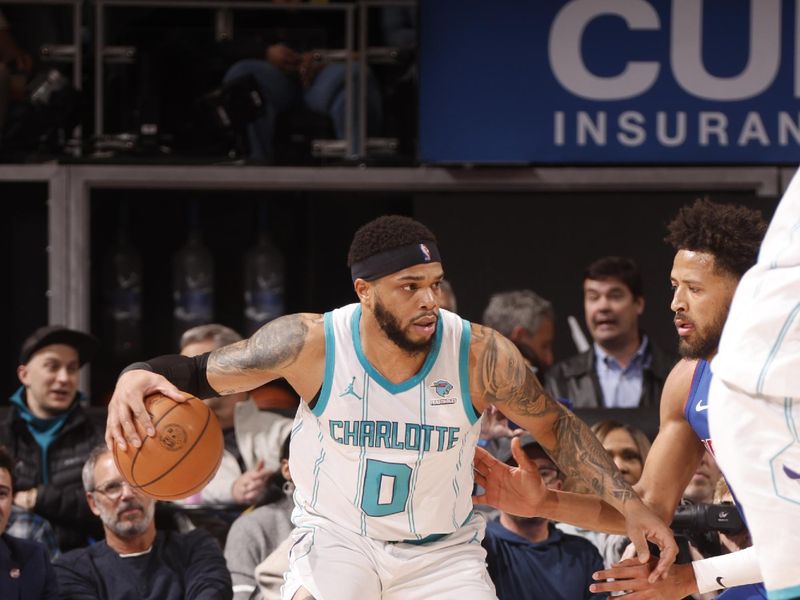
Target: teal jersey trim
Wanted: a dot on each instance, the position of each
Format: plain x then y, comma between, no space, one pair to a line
362,459
790,593
330,363
317,468
463,372
395,388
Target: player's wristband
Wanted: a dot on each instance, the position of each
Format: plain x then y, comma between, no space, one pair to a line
186,373
727,570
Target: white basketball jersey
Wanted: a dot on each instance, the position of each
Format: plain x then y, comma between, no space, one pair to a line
388,461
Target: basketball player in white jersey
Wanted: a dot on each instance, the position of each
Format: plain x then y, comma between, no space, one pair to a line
755,399
382,445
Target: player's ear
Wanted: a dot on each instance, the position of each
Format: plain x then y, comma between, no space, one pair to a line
363,289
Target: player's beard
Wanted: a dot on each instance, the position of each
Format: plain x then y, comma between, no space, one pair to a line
390,325
706,342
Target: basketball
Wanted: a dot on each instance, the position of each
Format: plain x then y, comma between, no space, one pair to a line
182,457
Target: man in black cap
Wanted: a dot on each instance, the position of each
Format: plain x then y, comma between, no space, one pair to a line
50,433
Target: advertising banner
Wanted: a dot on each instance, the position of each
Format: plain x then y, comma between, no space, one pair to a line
610,81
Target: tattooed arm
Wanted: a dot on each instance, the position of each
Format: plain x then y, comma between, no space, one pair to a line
284,347
292,347
500,377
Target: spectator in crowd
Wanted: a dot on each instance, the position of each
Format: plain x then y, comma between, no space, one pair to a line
252,436
205,338
528,320
26,525
289,73
448,297
50,434
271,571
528,557
135,560
628,447
704,481
257,533
624,368
25,569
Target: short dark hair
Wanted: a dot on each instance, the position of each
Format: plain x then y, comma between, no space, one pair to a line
731,233
617,267
7,463
385,233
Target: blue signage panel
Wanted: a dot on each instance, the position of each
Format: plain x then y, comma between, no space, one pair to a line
610,81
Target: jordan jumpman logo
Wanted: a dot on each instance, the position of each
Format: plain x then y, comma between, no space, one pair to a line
349,390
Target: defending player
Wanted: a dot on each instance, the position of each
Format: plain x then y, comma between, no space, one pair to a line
715,245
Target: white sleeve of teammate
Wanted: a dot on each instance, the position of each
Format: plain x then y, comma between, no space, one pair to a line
727,570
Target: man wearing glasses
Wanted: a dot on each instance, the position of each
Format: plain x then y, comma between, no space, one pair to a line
136,560
528,557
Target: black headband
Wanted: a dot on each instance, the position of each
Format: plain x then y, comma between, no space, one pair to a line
394,260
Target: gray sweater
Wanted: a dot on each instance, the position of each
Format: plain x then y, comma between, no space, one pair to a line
251,539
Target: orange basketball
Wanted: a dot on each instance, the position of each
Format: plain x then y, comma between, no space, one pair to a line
182,457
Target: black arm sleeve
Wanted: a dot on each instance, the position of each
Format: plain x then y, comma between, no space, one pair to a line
187,373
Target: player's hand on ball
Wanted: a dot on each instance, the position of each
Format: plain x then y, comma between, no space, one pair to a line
128,420
516,490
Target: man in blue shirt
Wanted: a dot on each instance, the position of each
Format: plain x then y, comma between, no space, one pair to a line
623,368
528,558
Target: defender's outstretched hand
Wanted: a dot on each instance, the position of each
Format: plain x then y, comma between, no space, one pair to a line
634,578
521,491
127,417
516,490
642,526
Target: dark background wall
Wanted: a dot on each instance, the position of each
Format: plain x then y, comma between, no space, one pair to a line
23,272
543,241
490,242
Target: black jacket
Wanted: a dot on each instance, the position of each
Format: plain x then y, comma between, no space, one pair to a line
25,571
62,501
576,379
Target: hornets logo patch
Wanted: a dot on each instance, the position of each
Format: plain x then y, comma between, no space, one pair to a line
442,389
